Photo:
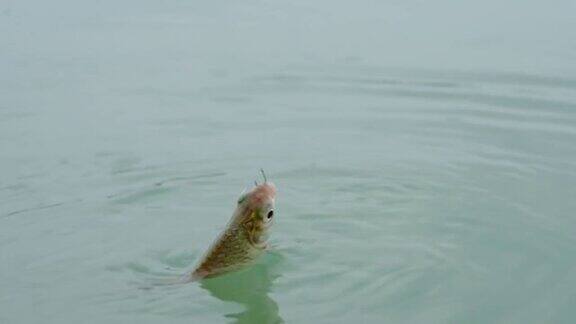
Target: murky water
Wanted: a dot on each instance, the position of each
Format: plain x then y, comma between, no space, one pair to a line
424,153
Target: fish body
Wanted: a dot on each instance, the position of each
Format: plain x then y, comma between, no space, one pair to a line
244,238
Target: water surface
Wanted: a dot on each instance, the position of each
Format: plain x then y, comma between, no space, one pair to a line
425,156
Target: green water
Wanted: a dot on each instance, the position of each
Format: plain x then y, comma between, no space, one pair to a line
424,154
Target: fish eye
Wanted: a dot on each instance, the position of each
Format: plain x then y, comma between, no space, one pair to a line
270,214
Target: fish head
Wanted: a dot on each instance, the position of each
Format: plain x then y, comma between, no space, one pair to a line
255,211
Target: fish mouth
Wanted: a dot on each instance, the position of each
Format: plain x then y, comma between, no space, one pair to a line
262,193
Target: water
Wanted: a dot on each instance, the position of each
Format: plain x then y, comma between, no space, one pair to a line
425,156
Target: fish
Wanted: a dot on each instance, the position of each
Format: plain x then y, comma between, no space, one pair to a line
245,237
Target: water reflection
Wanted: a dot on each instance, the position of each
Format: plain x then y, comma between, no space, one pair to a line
249,288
